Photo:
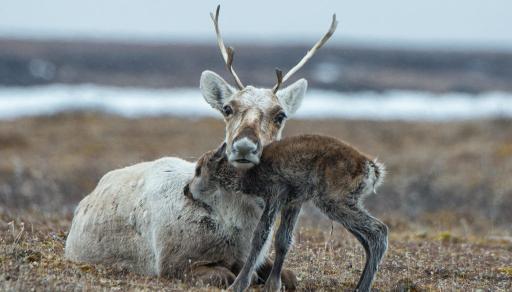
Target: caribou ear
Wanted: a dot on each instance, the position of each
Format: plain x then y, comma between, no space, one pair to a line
220,152
291,96
215,90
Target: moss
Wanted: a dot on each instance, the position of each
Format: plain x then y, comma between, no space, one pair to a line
505,270
448,237
86,268
33,256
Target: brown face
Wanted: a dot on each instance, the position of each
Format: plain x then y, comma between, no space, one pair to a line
203,181
254,118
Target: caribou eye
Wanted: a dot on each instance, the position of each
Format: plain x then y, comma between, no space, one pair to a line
227,110
279,118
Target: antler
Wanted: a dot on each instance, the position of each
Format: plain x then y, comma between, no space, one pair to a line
309,54
279,75
228,53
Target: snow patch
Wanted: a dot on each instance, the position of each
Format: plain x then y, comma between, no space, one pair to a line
18,102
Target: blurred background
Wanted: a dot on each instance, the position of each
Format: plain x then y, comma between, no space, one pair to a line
426,86
90,86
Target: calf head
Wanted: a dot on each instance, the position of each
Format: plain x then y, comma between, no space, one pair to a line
208,175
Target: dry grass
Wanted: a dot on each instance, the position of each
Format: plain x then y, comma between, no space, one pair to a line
462,168
31,257
447,200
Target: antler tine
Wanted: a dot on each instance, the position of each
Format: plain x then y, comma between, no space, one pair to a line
310,53
227,54
279,75
231,55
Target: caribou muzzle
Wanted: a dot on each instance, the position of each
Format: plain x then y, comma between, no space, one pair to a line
245,153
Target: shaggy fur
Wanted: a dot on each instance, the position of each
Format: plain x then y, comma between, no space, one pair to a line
140,219
332,174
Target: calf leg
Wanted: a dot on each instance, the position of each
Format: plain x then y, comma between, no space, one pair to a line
259,238
373,235
283,241
369,231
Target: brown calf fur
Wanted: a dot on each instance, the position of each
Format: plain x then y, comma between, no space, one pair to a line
332,174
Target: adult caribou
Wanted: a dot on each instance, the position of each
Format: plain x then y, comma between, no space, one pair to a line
140,217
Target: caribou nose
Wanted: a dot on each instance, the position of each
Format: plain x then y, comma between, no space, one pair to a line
245,146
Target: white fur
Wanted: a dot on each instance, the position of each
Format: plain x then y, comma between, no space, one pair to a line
138,218
383,173
372,182
291,97
216,91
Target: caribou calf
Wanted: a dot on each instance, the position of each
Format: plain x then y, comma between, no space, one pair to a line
332,174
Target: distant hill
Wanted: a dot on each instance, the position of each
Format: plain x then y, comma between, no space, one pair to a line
26,63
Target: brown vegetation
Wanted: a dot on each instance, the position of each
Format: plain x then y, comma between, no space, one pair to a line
447,200
31,257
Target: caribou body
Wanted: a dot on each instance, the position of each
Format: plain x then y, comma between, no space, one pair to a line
140,219
331,174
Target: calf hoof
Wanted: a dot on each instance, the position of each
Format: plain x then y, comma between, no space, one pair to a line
239,285
215,276
289,280
272,285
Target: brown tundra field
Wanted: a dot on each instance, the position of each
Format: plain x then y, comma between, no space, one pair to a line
447,200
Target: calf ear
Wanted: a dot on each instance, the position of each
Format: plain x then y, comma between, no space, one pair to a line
215,90
291,96
220,152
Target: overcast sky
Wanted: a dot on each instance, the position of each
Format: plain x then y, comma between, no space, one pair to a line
480,23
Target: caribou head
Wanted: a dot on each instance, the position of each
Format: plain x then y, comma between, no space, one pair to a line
254,117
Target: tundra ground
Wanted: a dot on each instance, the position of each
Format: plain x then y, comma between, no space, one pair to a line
324,259
447,201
